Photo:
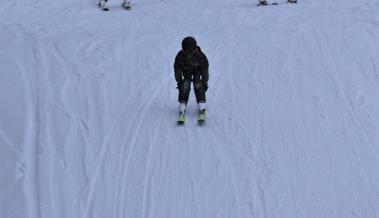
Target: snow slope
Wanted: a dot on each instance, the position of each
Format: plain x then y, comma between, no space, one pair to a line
88,109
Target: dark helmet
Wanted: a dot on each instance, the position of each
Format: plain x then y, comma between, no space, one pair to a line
189,43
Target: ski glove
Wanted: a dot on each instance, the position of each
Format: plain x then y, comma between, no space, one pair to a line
205,86
179,84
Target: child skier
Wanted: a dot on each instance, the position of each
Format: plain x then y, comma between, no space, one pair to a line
191,65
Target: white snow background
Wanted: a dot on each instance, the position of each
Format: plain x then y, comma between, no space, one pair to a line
88,108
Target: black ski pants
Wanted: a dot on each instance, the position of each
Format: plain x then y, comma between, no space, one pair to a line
199,86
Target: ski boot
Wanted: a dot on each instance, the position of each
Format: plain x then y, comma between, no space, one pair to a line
181,118
202,116
102,6
291,1
126,5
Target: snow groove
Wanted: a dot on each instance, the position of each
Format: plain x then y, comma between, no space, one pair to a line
30,150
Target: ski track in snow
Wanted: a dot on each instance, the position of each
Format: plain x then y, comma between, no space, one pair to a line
293,111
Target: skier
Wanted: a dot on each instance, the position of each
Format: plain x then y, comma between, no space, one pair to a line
191,65
101,4
264,2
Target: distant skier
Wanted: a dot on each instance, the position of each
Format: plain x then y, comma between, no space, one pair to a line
264,2
191,65
102,5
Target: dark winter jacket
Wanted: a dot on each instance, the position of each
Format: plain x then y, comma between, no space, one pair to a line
188,63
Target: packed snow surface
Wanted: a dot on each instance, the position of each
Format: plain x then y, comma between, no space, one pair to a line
88,110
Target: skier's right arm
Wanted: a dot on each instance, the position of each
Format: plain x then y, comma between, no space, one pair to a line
178,70
178,75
